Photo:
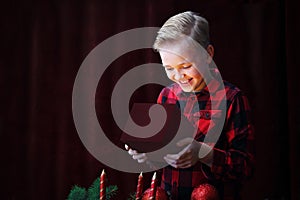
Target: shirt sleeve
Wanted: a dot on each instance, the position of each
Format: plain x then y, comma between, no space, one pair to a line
160,97
167,96
234,160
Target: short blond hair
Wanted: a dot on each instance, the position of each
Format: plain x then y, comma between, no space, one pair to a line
187,23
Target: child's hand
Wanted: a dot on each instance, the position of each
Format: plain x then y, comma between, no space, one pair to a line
140,157
190,155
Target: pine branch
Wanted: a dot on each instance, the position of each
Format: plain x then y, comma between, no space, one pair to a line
132,196
94,192
77,193
111,191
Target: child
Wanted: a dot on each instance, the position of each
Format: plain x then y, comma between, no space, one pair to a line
225,161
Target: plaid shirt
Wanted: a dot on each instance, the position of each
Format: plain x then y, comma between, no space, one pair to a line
233,152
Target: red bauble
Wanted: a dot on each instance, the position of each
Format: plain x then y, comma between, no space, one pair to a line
160,194
205,192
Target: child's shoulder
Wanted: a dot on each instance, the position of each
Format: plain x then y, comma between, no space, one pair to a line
174,88
232,91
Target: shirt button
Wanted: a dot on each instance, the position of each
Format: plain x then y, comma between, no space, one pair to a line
207,115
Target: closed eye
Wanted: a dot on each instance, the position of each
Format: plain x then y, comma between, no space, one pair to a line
187,66
169,68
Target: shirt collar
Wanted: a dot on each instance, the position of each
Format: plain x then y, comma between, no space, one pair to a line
210,89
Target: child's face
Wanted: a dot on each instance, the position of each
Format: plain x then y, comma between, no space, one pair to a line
181,71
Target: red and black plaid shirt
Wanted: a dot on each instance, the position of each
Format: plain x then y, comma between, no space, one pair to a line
233,153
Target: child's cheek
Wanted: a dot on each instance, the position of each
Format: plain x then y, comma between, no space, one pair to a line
169,75
194,73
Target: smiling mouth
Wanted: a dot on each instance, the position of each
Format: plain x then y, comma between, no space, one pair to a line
185,82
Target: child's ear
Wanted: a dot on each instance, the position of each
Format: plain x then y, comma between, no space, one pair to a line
210,51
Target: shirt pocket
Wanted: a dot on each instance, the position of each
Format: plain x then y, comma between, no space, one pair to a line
206,119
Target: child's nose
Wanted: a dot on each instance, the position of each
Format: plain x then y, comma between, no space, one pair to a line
178,75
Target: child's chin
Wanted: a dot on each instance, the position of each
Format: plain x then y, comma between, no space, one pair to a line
187,89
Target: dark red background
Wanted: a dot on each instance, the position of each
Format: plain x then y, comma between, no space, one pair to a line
43,44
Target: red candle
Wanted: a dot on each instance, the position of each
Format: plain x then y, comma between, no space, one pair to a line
102,185
139,189
153,187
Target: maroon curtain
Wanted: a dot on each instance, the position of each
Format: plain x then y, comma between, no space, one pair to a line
43,44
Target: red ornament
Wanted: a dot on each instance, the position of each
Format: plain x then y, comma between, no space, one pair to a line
205,192
160,194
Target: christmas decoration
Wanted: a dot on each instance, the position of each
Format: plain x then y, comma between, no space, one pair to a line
153,187
102,185
77,193
93,192
160,194
205,192
139,189
132,196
